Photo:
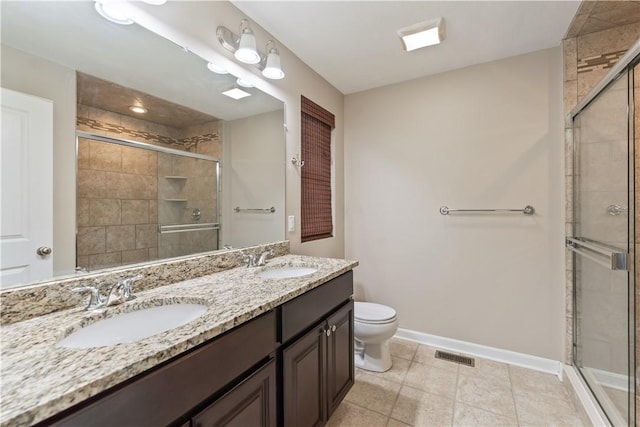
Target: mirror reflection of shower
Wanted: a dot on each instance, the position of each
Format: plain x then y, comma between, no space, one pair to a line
148,181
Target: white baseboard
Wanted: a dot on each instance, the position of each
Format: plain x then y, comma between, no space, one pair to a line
536,363
612,380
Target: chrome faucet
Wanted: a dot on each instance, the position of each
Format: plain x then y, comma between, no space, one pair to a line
263,257
122,291
96,301
118,293
255,260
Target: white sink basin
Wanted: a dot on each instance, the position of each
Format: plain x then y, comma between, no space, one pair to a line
286,272
133,326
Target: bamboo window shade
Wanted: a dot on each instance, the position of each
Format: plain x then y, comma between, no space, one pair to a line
317,219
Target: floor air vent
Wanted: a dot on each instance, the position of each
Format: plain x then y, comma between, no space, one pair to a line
463,360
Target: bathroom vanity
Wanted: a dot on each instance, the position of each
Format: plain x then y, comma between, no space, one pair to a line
267,352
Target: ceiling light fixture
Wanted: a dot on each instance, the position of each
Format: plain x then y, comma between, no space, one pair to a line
155,2
247,51
138,109
110,11
236,93
422,34
272,68
243,83
216,68
269,64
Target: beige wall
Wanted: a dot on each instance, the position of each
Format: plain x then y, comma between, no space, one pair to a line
36,76
486,136
253,172
199,35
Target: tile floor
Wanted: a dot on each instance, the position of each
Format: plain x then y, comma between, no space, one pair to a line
420,390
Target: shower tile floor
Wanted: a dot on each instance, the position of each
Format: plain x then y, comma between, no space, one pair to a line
420,390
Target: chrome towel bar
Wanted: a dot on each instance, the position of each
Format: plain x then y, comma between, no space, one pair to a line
605,255
180,228
528,210
263,210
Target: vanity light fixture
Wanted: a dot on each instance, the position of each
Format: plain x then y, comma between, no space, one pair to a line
110,11
236,93
247,51
243,48
422,34
216,68
138,109
272,68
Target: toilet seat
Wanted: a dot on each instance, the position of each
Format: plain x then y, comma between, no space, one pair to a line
371,313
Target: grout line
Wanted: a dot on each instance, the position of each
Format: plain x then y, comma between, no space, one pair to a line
513,397
455,397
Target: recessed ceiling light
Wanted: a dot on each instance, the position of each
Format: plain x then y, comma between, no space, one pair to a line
236,93
138,109
110,12
243,83
422,34
216,68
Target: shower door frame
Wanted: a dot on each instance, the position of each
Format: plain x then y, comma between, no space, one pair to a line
625,65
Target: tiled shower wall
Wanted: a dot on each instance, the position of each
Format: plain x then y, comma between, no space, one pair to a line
117,190
116,206
593,45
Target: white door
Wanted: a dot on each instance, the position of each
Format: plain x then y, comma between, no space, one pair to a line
26,212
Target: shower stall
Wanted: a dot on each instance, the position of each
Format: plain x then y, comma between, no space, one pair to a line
139,202
603,242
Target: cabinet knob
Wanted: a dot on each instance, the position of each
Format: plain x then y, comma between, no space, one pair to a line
333,328
328,332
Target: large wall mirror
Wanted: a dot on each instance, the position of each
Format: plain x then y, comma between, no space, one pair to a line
197,172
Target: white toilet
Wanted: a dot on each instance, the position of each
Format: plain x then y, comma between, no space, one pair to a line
373,325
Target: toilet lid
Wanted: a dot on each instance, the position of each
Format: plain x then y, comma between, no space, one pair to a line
373,313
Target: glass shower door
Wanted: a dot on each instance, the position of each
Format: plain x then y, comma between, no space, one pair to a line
604,316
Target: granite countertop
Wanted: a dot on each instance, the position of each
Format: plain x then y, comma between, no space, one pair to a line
40,379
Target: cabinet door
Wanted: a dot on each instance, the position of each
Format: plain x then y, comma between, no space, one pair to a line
251,403
303,370
340,363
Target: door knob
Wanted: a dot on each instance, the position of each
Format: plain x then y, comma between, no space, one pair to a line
44,251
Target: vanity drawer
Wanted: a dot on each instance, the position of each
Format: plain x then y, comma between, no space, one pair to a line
165,394
302,312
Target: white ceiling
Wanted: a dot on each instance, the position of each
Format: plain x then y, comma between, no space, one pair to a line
354,46
71,33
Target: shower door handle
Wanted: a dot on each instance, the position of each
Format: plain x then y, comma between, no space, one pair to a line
605,255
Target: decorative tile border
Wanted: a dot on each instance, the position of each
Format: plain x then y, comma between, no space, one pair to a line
185,144
600,62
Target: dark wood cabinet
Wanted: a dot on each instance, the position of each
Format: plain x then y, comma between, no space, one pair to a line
291,366
340,357
318,367
168,393
251,403
303,368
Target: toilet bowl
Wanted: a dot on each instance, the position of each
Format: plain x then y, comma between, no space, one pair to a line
373,325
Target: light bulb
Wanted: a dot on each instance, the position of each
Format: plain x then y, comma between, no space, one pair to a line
247,52
272,69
